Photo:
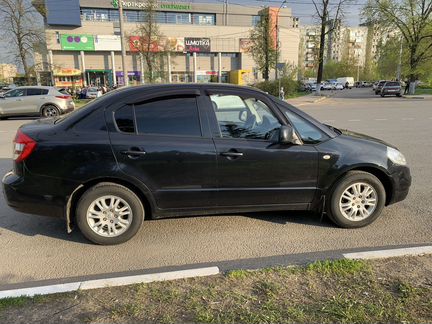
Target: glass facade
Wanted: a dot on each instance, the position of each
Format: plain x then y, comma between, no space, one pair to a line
162,17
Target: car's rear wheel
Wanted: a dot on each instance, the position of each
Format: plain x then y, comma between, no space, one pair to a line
356,200
109,213
50,111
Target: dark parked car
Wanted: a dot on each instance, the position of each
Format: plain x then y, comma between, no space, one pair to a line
173,150
392,88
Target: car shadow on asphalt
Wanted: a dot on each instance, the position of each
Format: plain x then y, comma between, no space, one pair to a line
293,217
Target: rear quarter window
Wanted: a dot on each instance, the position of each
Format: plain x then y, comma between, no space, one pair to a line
124,118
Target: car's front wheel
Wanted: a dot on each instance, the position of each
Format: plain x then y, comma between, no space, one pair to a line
109,213
356,200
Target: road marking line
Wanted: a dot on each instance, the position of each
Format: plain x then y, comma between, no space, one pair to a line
353,120
379,119
408,118
389,253
109,282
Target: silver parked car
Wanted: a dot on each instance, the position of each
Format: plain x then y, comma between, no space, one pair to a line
35,101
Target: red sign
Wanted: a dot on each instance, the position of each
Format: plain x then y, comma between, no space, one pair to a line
141,44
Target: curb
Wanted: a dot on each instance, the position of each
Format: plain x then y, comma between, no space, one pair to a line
59,286
412,97
109,282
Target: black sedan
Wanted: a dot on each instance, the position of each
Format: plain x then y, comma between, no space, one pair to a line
172,150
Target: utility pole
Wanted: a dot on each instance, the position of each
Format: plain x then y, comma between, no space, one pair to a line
122,42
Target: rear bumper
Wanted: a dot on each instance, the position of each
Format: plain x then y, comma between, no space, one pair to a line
401,182
20,196
389,92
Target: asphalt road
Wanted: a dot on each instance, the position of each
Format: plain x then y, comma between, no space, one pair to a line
37,248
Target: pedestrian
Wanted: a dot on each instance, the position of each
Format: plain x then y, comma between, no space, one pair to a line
281,93
346,85
407,83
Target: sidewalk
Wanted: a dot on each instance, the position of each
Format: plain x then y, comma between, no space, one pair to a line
304,100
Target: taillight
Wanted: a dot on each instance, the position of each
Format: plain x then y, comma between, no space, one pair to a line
23,146
64,97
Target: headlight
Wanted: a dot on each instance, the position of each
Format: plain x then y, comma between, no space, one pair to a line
395,156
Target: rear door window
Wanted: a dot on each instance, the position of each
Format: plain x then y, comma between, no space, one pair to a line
34,92
168,116
125,120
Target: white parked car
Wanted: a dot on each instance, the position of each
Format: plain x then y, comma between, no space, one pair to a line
338,86
327,86
93,93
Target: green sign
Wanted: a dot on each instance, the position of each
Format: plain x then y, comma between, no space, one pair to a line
142,5
76,42
175,6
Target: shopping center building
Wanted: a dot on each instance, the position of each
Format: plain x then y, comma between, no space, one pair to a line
203,42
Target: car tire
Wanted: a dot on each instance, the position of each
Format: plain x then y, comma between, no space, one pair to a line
399,95
340,209
120,210
49,111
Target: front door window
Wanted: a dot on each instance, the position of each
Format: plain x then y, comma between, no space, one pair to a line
240,117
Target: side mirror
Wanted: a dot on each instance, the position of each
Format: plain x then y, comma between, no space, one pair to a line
286,135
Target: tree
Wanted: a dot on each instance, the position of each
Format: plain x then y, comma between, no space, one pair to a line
20,29
329,17
149,41
262,45
413,20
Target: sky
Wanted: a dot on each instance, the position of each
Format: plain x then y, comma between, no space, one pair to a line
303,9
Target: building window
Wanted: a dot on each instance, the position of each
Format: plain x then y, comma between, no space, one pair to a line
134,16
232,55
203,19
256,20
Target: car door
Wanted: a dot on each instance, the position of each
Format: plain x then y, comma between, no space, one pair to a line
14,102
253,168
163,142
35,98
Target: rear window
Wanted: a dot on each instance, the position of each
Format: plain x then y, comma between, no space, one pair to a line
36,92
392,84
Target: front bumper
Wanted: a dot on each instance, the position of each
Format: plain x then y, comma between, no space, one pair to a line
24,197
401,182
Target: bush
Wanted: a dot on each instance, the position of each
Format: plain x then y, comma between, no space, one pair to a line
290,86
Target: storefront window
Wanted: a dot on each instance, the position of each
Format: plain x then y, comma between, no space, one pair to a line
203,19
162,17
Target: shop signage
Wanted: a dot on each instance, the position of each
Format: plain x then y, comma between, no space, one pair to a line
194,44
140,44
175,6
142,5
245,45
77,42
170,44
66,72
174,44
107,43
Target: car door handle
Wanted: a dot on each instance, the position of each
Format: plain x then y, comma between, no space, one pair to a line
232,154
133,153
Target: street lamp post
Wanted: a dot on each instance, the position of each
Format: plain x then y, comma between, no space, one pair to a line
277,46
122,42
